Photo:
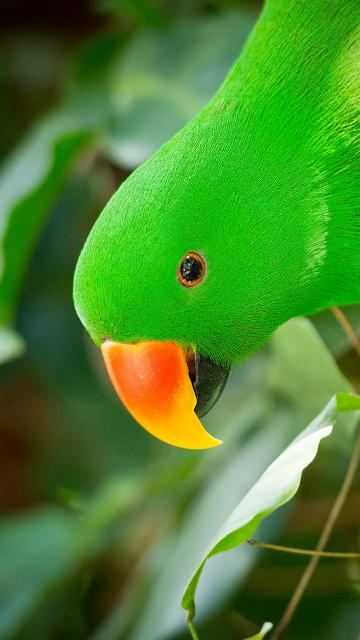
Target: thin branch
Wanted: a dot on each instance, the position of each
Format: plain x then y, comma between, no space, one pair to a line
304,552
347,328
333,515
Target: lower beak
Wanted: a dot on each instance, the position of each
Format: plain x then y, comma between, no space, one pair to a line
152,380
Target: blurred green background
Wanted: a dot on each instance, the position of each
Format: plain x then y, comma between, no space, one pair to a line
100,524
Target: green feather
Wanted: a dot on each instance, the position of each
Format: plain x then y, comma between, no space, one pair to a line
264,182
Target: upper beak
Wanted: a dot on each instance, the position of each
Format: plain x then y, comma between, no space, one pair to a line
153,380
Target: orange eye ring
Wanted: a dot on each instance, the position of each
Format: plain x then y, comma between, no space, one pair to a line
192,269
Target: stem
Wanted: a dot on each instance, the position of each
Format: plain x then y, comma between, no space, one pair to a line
192,629
326,532
304,552
347,328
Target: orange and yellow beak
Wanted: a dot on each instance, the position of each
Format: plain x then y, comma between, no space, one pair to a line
152,380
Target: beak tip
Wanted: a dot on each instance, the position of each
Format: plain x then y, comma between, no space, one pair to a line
216,443
205,441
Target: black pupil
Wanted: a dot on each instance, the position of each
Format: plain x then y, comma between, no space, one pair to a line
191,269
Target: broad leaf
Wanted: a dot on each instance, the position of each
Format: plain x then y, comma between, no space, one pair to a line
29,183
40,550
274,488
37,551
235,474
33,175
301,361
255,429
165,77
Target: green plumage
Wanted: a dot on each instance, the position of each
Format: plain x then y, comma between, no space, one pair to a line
264,182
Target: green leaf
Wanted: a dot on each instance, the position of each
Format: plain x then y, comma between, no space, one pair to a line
302,363
276,486
29,183
255,426
231,476
40,550
267,626
37,551
165,77
33,175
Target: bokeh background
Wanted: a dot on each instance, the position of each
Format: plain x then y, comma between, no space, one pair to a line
100,524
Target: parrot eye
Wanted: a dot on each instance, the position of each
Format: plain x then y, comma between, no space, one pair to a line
192,269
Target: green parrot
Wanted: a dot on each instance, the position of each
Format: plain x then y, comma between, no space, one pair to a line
247,217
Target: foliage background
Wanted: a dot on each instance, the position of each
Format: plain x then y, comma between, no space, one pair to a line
100,524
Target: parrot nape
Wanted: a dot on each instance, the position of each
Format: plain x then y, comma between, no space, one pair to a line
249,216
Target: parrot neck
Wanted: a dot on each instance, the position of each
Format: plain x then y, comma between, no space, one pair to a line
297,112
337,281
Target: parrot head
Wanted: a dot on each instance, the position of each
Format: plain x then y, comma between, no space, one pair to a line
179,278
244,219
